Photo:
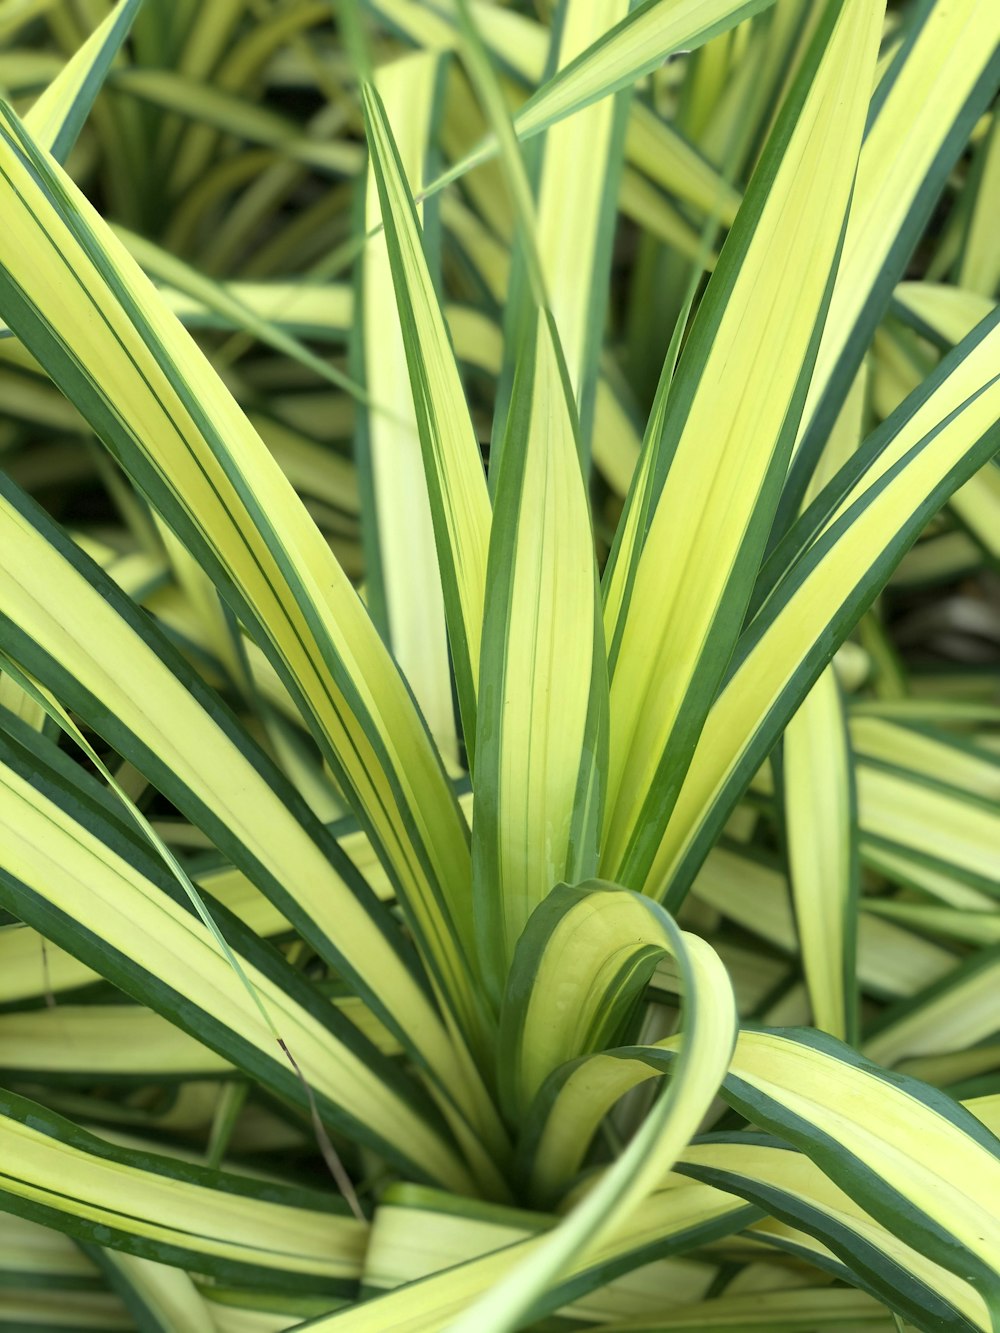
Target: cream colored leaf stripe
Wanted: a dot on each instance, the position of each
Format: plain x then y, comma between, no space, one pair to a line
820,802
577,210
403,587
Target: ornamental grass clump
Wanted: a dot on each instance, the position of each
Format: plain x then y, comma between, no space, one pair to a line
500,696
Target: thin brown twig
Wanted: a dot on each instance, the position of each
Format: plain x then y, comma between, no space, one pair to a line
327,1150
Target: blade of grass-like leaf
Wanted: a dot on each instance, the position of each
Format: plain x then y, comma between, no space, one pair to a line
577,208
741,103
820,806
14,699
104,1041
728,427
315,310
225,302
58,114
946,322
754,894
623,562
200,593
32,968
543,684
979,270
658,149
231,114
325,312
956,1013
941,313
929,752
518,41
946,315
62,719
658,217
779,1311
146,830
654,147
514,192
222,53
490,95
456,485
954,829
114,1041
977,927
42,1298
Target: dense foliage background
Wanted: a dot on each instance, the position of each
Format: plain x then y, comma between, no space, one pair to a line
849,886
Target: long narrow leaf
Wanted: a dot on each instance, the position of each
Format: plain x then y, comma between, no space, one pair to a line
728,429
543,687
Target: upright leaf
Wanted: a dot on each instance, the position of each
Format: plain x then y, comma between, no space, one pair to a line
822,835
728,429
576,207
820,803
456,485
404,573
859,528
543,685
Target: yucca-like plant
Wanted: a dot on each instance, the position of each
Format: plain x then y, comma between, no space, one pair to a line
593,923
